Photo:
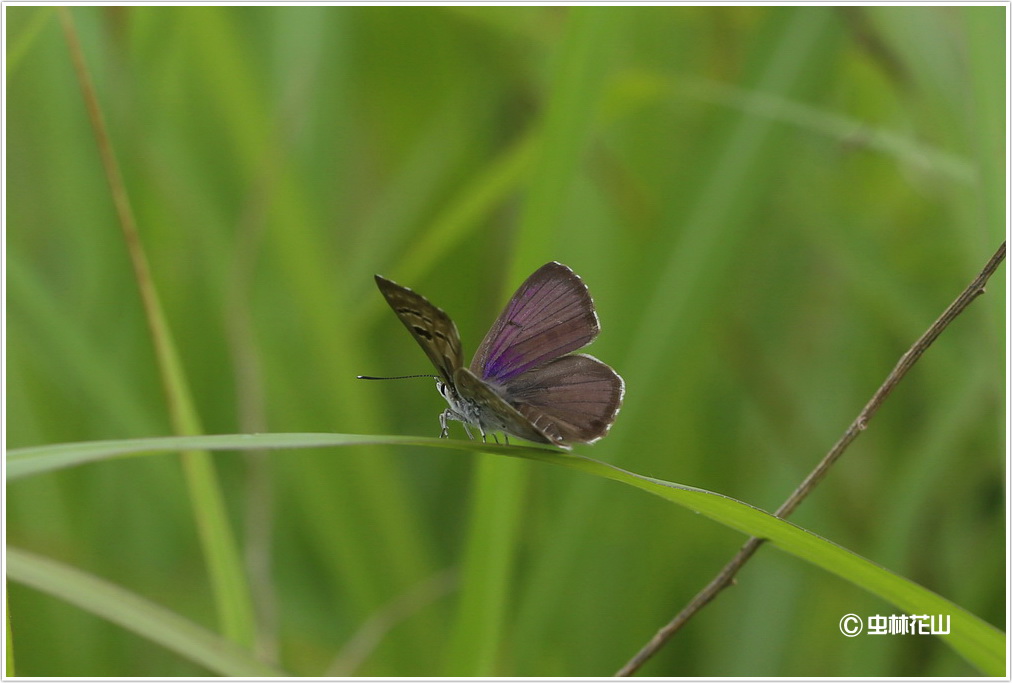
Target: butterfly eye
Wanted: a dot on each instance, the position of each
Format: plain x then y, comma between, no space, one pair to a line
441,387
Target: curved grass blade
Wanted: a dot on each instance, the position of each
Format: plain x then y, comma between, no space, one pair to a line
134,613
25,462
977,641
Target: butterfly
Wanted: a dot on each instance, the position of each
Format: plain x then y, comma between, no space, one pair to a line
523,381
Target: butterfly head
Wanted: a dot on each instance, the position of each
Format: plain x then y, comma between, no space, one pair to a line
449,392
444,389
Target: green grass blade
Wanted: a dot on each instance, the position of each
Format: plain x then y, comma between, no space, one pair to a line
231,591
394,551
735,163
977,641
25,462
500,488
133,613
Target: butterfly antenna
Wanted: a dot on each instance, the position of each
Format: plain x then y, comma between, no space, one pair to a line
398,377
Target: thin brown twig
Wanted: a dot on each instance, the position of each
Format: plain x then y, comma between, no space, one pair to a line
726,575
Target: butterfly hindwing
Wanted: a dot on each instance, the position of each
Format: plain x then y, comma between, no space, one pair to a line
570,399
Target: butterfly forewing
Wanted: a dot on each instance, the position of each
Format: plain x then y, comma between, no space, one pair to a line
570,399
550,315
429,325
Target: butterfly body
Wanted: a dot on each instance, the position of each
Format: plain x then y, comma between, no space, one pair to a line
476,403
523,379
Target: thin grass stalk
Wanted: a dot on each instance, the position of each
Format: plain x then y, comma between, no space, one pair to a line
220,549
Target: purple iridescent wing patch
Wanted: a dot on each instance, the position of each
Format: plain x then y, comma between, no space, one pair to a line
568,399
550,315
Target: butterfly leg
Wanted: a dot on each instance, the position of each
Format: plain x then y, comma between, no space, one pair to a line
496,438
506,437
444,429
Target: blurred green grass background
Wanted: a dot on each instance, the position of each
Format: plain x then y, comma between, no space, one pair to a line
768,204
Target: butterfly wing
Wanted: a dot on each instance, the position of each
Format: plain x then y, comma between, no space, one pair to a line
429,325
573,399
521,381
550,315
